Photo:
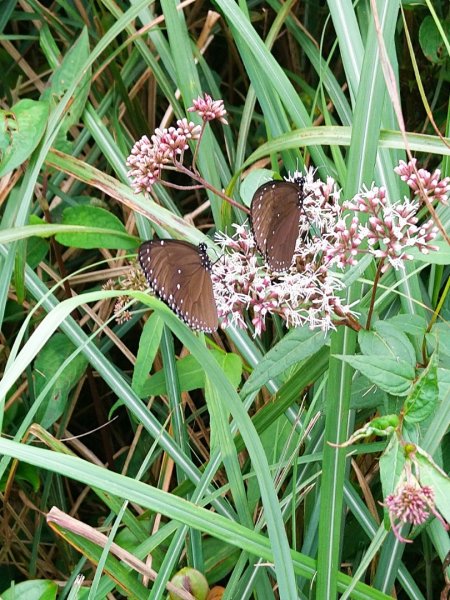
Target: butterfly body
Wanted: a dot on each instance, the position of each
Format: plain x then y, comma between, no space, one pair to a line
179,273
275,213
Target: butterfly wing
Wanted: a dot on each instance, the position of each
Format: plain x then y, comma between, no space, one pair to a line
179,273
275,214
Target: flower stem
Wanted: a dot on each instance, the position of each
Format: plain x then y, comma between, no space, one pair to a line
197,147
374,292
197,177
347,319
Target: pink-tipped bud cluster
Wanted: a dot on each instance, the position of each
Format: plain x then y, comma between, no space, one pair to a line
390,230
167,146
209,109
431,183
412,503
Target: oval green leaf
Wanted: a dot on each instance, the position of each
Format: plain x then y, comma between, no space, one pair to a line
93,216
22,129
392,376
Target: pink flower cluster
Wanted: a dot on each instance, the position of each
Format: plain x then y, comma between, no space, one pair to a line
389,229
166,147
209,109
241,284
435,187
411,502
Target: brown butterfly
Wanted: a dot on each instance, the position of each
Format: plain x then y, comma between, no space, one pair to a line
179,273
275,213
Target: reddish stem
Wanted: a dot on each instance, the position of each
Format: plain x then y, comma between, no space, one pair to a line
205,184
347,319
197,146
374,292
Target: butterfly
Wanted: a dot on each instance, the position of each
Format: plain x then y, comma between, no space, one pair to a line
275,213
179,273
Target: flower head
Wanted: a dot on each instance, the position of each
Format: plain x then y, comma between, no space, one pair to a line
145,165
167,146
389,229
432,184
209,109
189,129
411,503
134,280
306,294
121,313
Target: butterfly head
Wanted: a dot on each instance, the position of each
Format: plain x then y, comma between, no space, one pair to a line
202,250
300,181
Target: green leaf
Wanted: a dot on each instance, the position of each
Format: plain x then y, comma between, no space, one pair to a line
178,509
441,330
37,250
90,216
24,473
341,135
8,126
221,440
430,39
22,128
191,375
232,367
392,376
299,343
432,475
54,353
392,462
388,341
124,577
365,394
252,182
36,589
30,474
20,233
220,559
411,323
61,80
148,347
424,397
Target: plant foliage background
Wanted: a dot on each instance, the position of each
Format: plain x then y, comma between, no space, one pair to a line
212,451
